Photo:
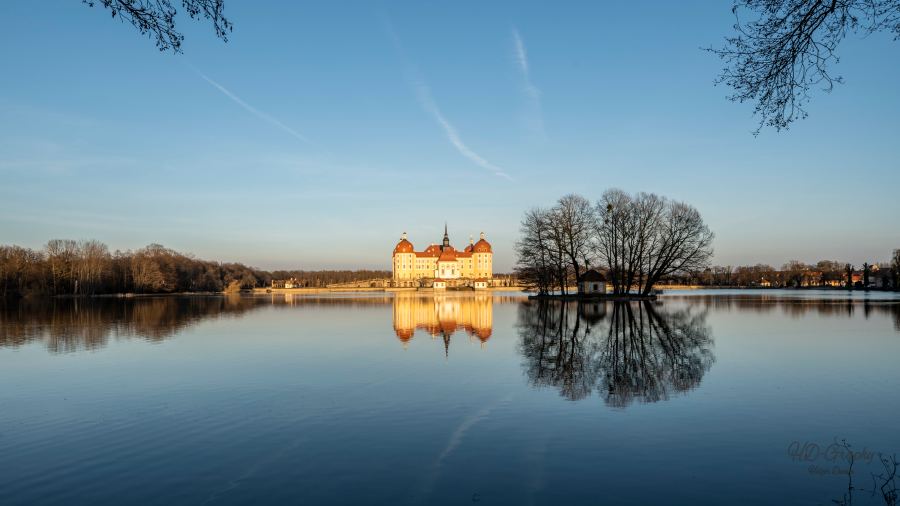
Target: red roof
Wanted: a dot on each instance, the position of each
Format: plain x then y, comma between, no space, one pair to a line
482,246
403,246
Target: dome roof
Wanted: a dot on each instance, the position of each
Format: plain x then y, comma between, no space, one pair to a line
403,246
434,248
482,246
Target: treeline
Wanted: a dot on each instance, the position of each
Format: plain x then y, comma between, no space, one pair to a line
638,240
67,267
318,279
823,273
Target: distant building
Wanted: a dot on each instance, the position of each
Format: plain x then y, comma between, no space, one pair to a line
442,266
593,281
287,283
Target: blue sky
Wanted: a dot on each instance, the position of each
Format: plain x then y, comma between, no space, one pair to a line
321,131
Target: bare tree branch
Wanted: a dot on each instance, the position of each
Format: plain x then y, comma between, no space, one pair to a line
784,48
156,18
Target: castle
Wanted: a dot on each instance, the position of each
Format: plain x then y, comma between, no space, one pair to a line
442,266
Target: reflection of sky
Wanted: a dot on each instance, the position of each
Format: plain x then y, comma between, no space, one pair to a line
318,403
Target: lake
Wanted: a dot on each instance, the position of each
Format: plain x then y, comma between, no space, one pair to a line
703,397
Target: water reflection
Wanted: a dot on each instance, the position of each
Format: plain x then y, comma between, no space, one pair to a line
443,315
622,351
67,325
797,306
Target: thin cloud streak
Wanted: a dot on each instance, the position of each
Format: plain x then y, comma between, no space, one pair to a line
427,102
423,94
531,91
256,112
521,55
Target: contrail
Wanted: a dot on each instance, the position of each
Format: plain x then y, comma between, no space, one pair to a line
424,95
531,91
256,112
521,56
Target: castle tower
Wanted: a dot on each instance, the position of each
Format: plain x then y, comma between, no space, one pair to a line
403,262
482,254
446,242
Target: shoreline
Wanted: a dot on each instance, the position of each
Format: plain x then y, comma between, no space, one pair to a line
594,297
571,296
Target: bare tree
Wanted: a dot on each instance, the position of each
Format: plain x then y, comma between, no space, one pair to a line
639,239
576,220
534,268
93,256
146,274
682,244
615,221
156,18
645,237
895,269
61,254
784,48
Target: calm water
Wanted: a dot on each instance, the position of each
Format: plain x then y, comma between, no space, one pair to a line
700,398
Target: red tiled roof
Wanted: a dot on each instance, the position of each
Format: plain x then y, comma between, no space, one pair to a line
482,246
403,246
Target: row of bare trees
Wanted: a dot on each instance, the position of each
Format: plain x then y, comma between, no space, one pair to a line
639,240
824,273
67,267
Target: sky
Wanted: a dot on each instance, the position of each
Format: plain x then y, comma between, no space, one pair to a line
321,131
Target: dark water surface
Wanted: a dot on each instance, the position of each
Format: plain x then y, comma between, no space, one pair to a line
700,398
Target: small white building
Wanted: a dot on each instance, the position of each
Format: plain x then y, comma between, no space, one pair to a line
481,284
439,284
592,282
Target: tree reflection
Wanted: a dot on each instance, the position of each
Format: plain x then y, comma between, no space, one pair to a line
623,351
73,324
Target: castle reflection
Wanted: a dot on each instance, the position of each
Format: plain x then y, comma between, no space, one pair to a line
444,315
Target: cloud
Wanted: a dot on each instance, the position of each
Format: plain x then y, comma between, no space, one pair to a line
535,119
423,93
256,112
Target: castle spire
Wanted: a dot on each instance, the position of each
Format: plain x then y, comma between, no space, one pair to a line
446,242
